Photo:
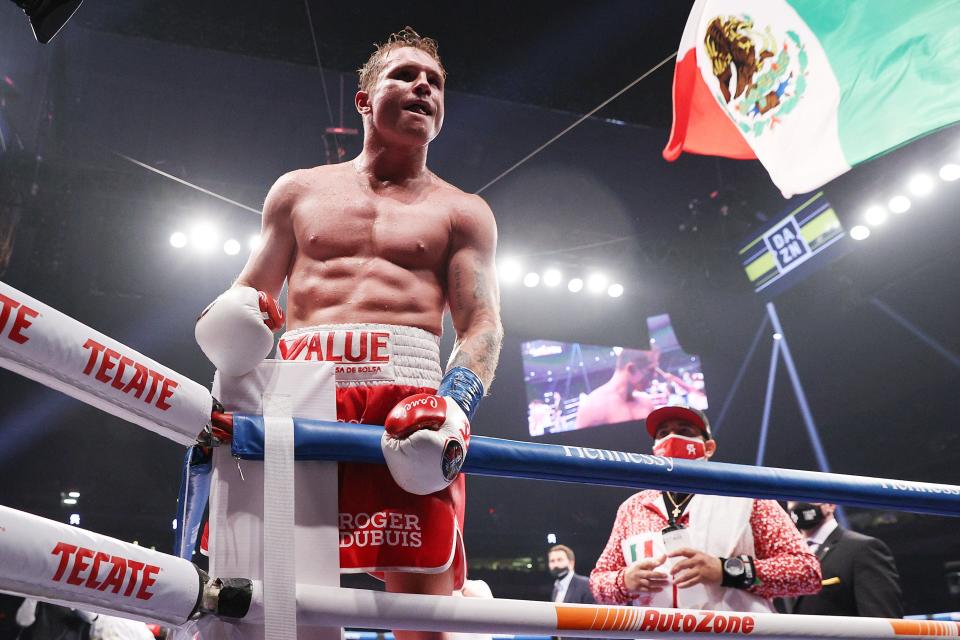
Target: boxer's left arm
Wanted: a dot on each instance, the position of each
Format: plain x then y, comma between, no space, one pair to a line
426,437
473,292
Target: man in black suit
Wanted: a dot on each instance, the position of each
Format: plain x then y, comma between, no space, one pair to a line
568,586
859,574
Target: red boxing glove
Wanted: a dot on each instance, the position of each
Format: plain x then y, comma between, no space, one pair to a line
425,442
272,313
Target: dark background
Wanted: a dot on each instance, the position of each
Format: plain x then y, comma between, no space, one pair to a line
228,95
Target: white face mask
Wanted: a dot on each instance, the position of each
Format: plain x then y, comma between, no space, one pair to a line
677,446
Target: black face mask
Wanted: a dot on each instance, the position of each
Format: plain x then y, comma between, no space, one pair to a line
558,573
806,515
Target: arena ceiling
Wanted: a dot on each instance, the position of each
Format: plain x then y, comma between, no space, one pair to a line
568,56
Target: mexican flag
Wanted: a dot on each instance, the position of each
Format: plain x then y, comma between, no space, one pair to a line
813,87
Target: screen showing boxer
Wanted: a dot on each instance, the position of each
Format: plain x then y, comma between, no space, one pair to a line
571,385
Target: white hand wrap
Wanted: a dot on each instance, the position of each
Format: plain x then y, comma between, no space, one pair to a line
232,334
428,460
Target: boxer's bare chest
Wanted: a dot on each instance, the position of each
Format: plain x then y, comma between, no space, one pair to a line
410,228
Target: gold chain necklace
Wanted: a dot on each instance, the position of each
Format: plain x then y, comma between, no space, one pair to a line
678,508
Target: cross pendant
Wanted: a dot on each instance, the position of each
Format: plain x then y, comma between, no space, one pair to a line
676,512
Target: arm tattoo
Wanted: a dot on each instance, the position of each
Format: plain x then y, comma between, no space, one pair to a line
481,290
479,353
458,286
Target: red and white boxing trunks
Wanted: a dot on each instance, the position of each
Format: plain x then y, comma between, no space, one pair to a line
382,527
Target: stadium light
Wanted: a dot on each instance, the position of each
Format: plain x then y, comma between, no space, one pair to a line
920,184
509,270
615,290
875,215
575,285
231,247
860,232
178,239
551,538
203,236
552,277
950,172
532,279
597,283
255,242
899,204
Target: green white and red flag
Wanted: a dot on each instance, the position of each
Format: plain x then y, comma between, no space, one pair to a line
812,88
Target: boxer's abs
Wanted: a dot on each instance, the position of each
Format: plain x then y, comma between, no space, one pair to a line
364,290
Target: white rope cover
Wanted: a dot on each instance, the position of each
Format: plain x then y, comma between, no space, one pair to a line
379,610
55,562
53,349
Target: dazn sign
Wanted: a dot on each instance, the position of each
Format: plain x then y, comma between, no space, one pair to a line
787,244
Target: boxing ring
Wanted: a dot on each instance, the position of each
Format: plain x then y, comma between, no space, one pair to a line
255,587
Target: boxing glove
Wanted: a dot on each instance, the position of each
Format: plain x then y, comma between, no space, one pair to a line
426,437
236,330
425,442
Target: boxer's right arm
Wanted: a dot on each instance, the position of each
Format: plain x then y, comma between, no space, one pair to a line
236,330
267,267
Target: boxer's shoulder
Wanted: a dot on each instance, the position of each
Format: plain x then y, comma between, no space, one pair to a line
286,191
300,182
471,216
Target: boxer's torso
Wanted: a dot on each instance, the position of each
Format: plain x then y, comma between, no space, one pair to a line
370,253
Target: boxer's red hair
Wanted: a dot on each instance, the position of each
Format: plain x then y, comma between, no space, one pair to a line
371,69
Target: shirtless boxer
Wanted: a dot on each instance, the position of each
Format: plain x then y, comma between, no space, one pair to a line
623,397
373,251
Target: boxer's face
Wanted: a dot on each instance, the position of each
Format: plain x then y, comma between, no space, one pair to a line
405,105
641,375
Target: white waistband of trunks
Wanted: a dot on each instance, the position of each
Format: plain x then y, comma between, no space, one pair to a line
369,353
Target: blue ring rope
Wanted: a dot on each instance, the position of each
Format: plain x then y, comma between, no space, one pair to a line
325,440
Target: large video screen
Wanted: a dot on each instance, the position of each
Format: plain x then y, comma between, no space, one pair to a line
575,386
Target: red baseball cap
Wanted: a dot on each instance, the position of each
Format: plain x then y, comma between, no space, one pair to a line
678,412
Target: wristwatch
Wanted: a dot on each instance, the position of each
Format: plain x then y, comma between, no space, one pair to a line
738,572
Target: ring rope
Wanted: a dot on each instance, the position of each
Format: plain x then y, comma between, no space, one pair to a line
326,440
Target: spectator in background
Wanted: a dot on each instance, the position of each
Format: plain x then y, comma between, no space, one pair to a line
859,574
45,621
670,549
623,397
568,586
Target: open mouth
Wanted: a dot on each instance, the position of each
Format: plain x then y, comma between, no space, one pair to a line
419,108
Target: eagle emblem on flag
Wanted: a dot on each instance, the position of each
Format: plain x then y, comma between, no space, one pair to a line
759,80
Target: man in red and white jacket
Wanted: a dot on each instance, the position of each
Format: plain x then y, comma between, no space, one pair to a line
669,549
